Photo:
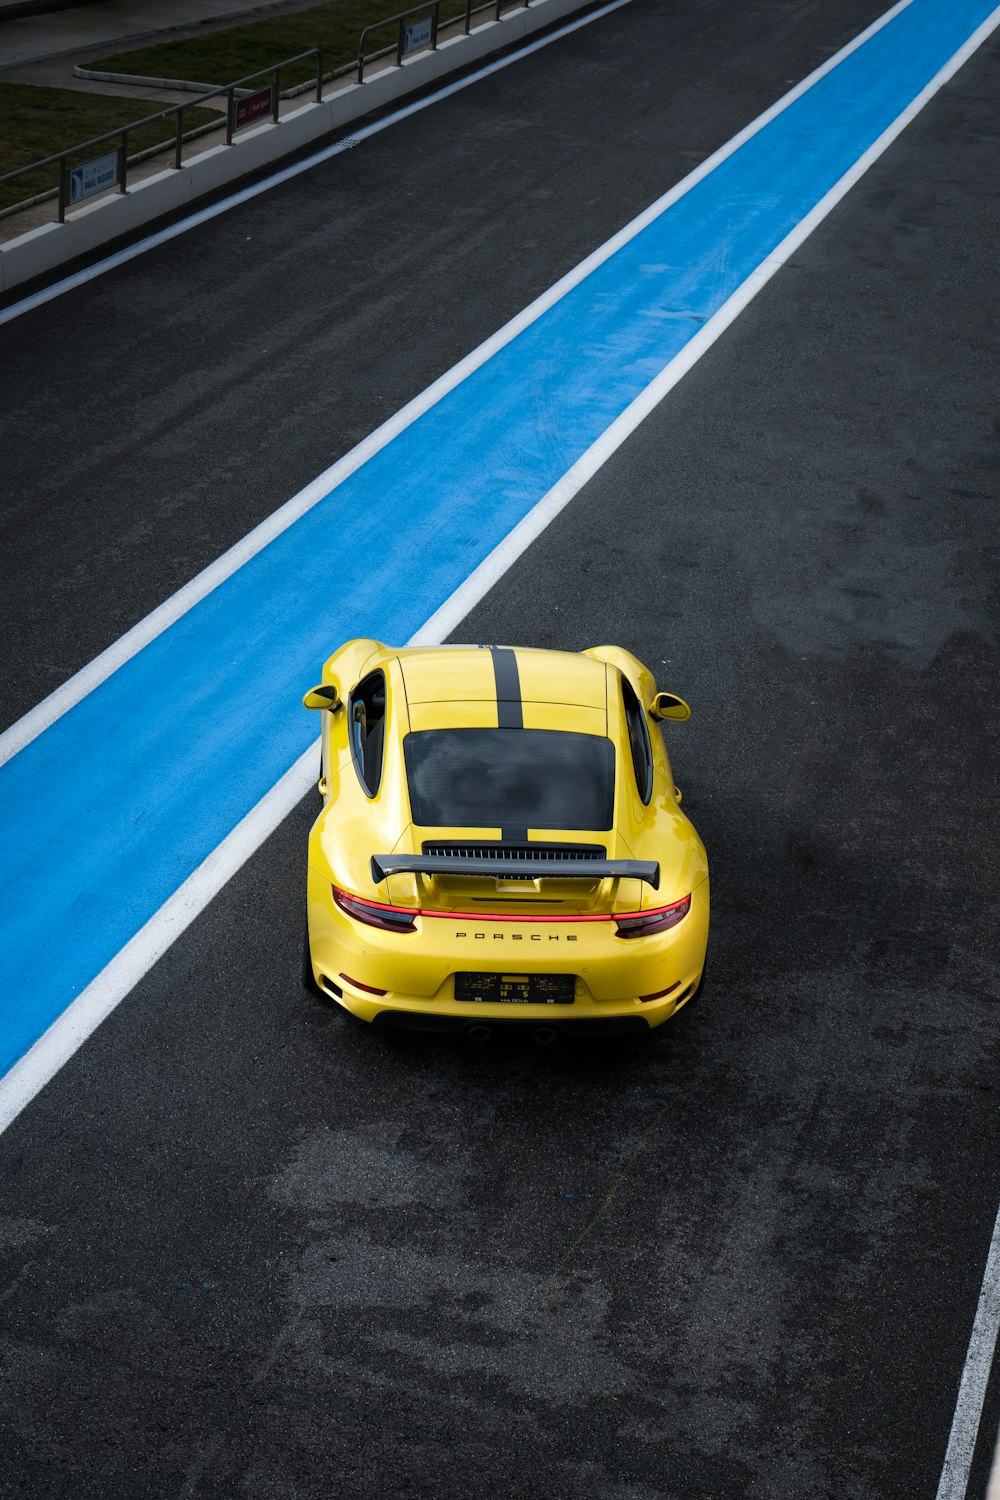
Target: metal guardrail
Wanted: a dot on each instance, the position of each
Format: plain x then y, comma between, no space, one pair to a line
430,9
234,92
408,39
415,42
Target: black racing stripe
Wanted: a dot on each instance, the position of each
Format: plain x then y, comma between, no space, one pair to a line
509,715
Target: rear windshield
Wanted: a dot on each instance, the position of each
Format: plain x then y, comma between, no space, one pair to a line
491,778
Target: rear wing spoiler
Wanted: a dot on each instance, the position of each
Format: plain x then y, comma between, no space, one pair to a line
536,868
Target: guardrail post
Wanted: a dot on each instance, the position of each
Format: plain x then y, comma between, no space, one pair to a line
468,16
361,56
434,26
61,211
319,77
399,43
276,95
230,99
123,162
179,139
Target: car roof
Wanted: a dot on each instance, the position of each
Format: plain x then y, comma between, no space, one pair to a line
449,674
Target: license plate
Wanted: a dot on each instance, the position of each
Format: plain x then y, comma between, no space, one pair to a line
516,989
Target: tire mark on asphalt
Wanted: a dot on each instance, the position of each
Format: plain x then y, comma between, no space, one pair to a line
602,1212
211,1448
13,1285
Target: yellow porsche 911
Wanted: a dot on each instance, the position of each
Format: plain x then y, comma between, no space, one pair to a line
501,843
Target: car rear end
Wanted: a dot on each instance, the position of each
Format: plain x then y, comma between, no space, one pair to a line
452,968
482,952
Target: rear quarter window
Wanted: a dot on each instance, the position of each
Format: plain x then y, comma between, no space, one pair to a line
638,739
366,725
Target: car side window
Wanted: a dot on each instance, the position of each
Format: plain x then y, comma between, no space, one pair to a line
366,718
638,738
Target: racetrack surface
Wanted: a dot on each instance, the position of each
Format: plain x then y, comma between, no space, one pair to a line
251,1250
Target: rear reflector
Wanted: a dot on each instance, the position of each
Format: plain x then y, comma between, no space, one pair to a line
369,989
645,999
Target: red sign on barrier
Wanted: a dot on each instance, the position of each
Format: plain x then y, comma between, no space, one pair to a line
253,108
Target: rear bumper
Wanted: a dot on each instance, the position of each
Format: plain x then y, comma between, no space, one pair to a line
416,969
408,1020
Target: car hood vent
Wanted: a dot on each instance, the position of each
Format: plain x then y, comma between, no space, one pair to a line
514,852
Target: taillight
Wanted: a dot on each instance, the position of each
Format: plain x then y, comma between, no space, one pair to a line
388,918
645,923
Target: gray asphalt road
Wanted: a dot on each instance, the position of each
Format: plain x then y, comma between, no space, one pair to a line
251,1250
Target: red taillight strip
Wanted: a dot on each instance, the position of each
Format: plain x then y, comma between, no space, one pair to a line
493,916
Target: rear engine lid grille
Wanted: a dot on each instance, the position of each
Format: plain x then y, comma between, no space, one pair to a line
513,853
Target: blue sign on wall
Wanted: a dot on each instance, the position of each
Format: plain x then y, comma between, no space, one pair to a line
417,35
93,177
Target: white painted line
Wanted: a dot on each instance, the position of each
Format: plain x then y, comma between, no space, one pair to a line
86,1013
954,1479
94,1004
97,671
993,1491
285,174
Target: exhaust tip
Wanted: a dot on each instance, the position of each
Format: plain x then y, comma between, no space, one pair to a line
544,1036
479,1033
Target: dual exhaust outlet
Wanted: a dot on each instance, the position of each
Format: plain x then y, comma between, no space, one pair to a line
543,1036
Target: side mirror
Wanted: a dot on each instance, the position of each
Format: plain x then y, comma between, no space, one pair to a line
669,706
322,697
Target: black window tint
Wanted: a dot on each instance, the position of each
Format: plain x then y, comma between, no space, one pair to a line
496,778
638,738
367,729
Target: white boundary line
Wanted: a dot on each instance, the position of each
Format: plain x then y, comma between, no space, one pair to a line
954,1479
993,1489
97,671
285,174
105,992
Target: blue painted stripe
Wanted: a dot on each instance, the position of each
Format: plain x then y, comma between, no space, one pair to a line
109,810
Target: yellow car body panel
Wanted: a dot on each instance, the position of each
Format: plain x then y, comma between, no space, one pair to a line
497,927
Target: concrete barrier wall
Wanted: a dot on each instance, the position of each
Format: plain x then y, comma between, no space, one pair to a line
107,218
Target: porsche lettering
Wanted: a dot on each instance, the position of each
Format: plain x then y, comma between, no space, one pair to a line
521,937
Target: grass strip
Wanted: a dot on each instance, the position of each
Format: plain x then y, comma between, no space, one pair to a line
222,56
36,122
